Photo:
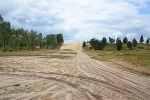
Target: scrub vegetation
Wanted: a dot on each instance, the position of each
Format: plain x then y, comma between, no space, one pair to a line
132,55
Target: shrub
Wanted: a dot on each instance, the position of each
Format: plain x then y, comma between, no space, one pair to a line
129,45
4,50
10,50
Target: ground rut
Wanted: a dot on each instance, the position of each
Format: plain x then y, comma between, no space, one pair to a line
79,78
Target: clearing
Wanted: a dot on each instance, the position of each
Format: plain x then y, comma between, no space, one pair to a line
68,74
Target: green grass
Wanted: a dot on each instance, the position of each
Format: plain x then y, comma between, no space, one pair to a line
1,68
17,84
137,57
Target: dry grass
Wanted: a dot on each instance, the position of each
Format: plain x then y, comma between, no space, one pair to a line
68,52
28,53
57,56
132,68
137,60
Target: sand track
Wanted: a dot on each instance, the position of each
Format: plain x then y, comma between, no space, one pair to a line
79,78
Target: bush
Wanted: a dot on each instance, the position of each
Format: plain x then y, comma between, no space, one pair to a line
4,50
84,44
10,50
129,45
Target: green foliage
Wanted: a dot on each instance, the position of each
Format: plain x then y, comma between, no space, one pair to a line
1,19
129,45
51,41
104,41
32,39
39,40
118,44
147,41
125,40
10,50
4,33
92,43
141,39
84,44
100,45
60,39
18,39
5,50
134,42
17,84
1,68
111,40
96,44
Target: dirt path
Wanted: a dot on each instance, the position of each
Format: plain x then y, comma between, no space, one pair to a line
78,78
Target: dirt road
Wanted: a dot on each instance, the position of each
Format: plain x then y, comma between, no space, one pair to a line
76,78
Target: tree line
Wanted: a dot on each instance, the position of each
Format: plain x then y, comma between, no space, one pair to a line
18,39
100,44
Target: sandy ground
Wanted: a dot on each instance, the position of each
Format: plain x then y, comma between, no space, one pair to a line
77,78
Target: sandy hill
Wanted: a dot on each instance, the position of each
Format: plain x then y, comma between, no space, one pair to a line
72,46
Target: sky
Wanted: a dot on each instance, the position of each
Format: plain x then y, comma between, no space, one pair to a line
80,20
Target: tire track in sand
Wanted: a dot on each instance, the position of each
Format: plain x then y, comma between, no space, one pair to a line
79,78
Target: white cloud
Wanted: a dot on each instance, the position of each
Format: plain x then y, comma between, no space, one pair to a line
79,20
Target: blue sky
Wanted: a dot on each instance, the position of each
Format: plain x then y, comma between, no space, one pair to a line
80,20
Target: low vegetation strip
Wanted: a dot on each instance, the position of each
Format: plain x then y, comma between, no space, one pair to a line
70,52
28,53
130,54
131,59
57,56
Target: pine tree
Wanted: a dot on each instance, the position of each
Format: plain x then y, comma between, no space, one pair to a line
147,41
111,40
141,39
125,40
134,42
129,45
118,44
104,41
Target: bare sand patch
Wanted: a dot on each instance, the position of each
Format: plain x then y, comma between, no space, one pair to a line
79,78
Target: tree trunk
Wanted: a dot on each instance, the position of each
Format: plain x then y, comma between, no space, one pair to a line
4,47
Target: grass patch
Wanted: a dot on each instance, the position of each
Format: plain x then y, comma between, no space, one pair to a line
28,53
23,88
67,50
17,84
137,60
4,89
70,52
1,68
57,56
